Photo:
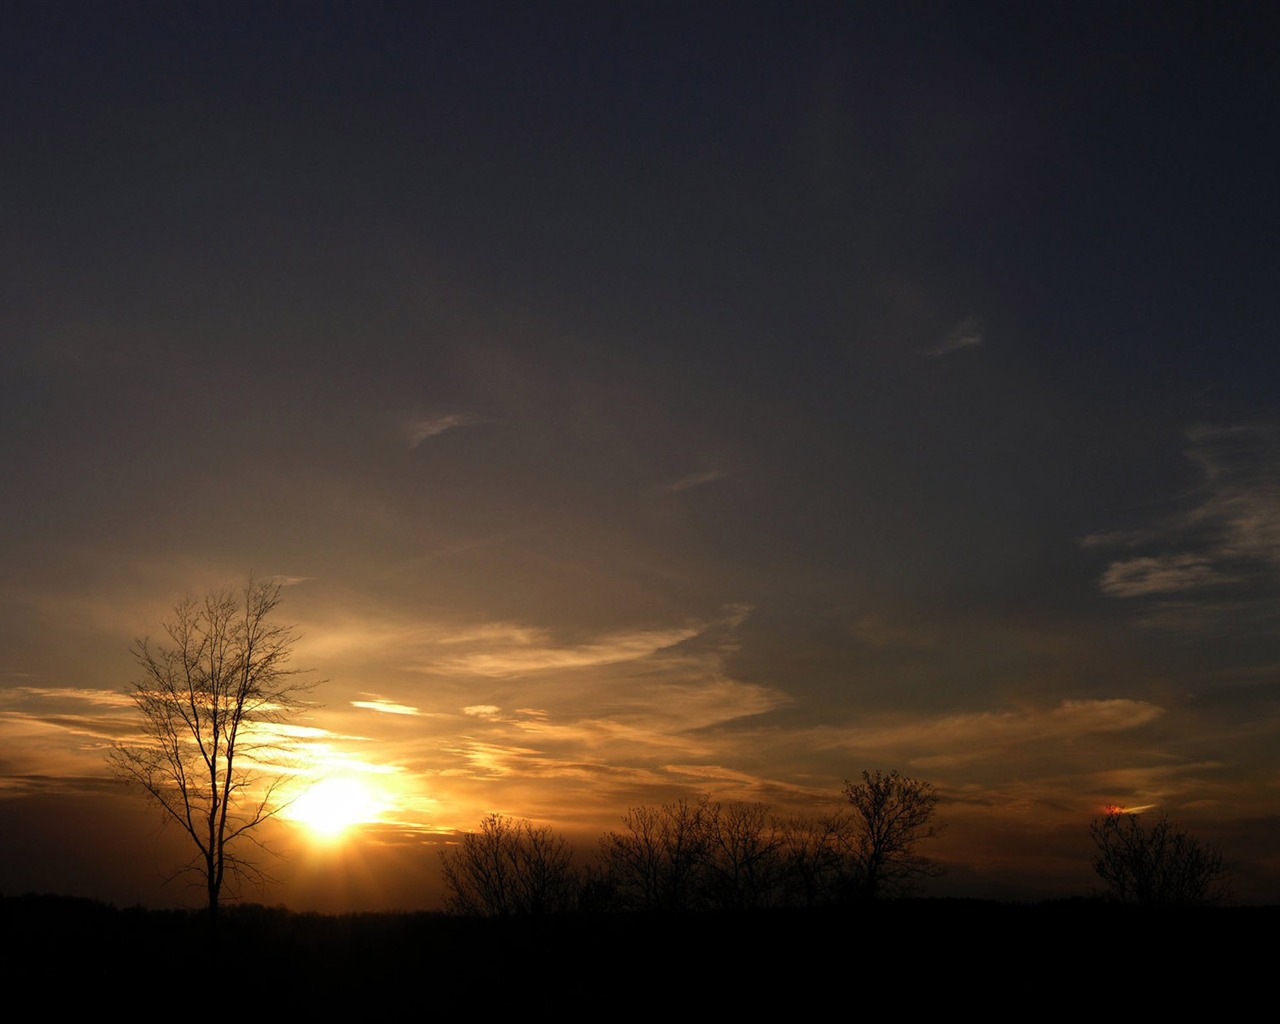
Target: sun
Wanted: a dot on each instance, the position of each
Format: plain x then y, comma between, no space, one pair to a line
332,806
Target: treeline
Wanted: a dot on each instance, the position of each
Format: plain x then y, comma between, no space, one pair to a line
703,855
736,856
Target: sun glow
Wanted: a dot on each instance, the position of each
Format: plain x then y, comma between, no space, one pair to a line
332,806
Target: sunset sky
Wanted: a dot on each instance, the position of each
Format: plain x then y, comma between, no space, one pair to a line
645,400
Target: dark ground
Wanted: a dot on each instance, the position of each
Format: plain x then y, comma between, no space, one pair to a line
917,954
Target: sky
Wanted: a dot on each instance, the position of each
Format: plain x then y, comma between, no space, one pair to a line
648,400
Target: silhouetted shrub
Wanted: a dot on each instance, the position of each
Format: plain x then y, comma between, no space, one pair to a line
1162,866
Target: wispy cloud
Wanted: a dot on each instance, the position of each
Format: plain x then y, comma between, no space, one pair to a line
1137,786
418,430
1242,507
63,696
619,739
968,333
952,740
386,707
1231,534
523,652
990,737
493,633
612,712
1118,538
1163,574
686,483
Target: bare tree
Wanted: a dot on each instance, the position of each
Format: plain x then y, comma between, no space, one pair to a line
1163,866
890,816
707,855
744,855
509,867
696,855
207,754
658,860
634,860
820,867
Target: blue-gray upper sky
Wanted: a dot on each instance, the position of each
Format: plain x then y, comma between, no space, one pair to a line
653,399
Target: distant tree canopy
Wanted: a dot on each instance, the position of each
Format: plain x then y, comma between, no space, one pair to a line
704,854
1160,866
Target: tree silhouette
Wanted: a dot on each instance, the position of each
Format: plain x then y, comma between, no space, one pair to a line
206,753
890,815
820,869
1160,866
509,868
744,853
658,860
703,854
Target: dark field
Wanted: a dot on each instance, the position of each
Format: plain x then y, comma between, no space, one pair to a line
891,957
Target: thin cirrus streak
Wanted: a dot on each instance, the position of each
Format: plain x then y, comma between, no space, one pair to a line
691,481
65,695
419,430
954,739
966,334
530,656
386,707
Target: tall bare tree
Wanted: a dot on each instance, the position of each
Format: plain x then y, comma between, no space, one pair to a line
206,753
890,815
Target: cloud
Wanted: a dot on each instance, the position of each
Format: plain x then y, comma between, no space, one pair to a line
493,633
289,581
387,707
521,652
1117,538
658,731
64,696
1231,534
609,714
418,430
686,483
1241,509
952,740
1164,574
459,704
966,334
1068,718
667,709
